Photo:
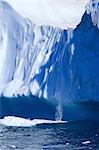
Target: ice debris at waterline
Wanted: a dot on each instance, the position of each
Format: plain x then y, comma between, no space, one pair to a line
47,61
21,122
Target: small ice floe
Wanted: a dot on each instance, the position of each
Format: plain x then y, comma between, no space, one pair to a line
13,146
67,144
96,135
86,142
21,122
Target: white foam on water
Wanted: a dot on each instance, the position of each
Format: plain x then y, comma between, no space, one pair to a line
21,122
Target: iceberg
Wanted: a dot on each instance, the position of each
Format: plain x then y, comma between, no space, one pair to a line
60,65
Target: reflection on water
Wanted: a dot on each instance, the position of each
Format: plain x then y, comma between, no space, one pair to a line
71,136
59,112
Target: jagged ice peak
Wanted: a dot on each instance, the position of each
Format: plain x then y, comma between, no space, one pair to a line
93,9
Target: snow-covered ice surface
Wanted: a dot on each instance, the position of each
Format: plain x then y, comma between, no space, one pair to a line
60,13
21,122
47,61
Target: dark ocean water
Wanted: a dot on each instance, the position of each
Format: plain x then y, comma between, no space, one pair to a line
81,135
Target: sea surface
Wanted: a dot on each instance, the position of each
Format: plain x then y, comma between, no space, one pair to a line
80,135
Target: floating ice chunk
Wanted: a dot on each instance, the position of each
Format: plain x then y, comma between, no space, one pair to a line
67,144
86,142
16,121
13,146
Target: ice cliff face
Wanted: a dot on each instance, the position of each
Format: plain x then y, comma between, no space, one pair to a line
47,61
